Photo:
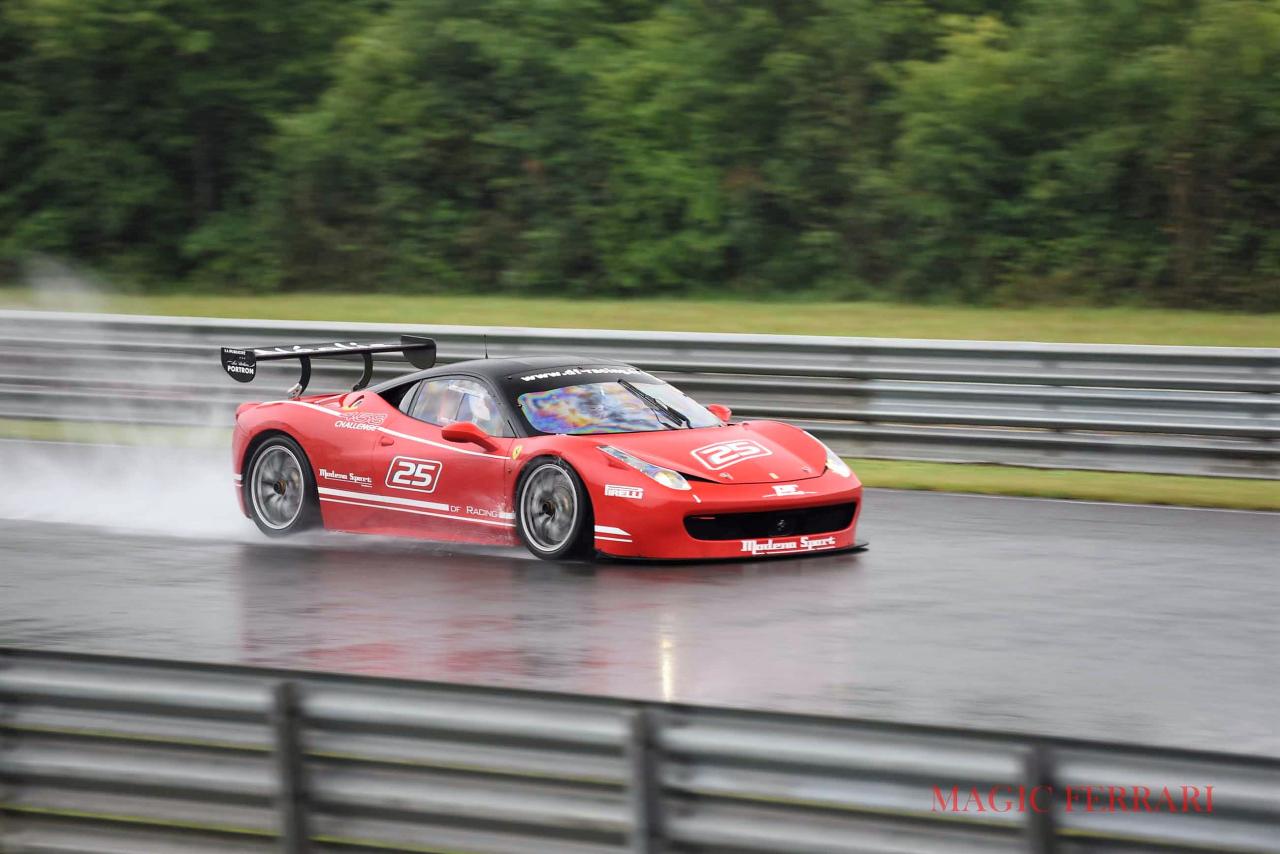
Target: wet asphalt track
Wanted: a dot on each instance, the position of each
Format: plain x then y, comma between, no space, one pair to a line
1118,622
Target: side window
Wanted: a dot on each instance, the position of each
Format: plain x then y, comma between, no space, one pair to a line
405,399
446,400
437,402
479,407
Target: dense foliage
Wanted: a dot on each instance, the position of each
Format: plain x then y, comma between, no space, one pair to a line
1098,151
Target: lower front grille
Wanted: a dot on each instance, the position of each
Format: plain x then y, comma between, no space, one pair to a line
771,523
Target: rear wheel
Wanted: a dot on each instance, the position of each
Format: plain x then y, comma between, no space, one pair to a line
553,511
279,488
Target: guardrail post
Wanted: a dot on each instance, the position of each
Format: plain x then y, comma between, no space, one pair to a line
644,784
291,791
1038,772
8,785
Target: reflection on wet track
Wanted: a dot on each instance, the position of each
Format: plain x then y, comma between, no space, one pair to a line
1144,624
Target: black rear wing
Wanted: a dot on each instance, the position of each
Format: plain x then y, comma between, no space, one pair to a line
242,364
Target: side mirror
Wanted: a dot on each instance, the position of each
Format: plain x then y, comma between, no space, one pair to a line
719,410
468,431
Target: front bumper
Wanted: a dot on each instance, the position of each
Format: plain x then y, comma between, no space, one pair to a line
653,527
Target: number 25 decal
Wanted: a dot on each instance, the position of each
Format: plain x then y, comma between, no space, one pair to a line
415,474
721,455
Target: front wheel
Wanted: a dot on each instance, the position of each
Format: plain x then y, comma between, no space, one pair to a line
280,489
553,511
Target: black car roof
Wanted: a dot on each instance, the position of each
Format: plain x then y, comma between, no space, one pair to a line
497,369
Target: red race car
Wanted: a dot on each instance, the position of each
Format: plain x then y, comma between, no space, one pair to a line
570,456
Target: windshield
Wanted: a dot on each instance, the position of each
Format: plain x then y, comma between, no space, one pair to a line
613,407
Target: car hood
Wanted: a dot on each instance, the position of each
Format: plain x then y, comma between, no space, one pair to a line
750,452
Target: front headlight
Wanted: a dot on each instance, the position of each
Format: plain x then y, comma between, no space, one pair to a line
834,463
664,476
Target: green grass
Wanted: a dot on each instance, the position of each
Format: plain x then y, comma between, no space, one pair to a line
116,434
1093,325
1180,490
1235,493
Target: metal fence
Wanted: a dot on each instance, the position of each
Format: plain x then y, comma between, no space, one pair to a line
1199,410
119,755
122,755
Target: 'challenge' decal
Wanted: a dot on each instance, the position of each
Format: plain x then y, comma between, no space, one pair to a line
359,420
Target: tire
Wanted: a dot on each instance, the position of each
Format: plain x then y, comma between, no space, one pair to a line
553,511
280,488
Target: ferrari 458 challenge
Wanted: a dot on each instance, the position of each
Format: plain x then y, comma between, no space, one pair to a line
570,456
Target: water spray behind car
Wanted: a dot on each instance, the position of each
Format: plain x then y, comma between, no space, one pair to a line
104,468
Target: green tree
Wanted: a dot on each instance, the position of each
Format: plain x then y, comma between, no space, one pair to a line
743,142
976,150
1113,152
145,121
449,153
1218,157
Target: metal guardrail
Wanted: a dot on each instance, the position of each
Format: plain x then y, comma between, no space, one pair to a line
126,755
1198,410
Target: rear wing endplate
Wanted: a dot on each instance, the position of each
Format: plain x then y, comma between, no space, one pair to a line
242,364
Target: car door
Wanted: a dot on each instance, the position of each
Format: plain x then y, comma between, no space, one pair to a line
430,487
